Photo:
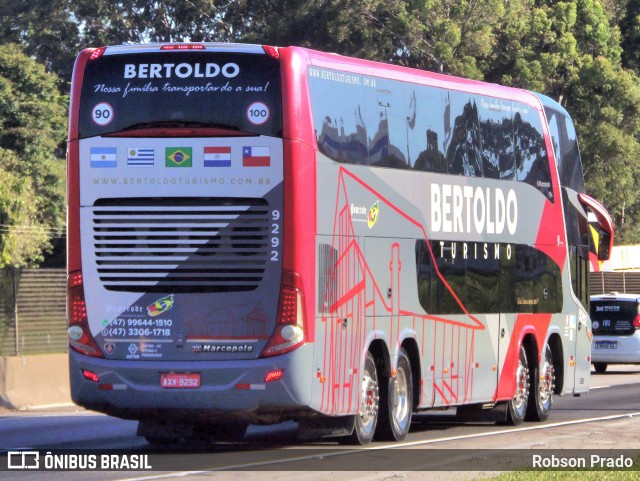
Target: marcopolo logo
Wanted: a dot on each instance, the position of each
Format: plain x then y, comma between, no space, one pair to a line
181,70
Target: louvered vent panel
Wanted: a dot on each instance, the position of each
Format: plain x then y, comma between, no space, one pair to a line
181,244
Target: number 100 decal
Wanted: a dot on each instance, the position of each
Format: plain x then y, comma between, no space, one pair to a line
275,236
258,113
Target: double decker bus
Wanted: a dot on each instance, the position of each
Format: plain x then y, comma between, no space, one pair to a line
259,234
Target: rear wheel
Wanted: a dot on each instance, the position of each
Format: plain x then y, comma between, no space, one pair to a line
600,367
397,406
517,407
366,420
541,394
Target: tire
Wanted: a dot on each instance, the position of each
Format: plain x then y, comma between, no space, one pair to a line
543,384
366,420
517,407
600,367
396,407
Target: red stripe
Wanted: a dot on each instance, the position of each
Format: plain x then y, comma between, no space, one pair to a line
217,150
256,161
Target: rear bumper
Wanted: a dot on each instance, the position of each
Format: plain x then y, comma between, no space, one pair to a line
228,389
627,349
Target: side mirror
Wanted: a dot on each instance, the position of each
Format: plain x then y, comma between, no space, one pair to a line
603,225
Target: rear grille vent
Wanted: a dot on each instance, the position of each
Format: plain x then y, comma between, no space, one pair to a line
181,244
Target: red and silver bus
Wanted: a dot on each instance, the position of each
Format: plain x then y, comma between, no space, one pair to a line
259,234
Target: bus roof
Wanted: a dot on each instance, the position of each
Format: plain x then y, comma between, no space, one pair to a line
181,47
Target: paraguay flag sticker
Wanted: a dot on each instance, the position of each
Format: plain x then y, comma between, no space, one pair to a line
217,156
178,157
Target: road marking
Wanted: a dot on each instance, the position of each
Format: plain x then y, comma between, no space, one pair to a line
516,430
598,387
386,446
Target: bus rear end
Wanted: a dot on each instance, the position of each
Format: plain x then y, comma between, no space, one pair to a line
179,307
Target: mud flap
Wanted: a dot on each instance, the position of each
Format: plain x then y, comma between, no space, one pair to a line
325,427
495,413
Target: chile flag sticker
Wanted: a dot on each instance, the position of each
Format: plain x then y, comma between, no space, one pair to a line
256,157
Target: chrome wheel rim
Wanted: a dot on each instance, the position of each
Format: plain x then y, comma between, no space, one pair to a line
547,381
400,399
522,388
370,402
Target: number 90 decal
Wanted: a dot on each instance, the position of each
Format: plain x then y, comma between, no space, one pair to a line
275,236
102,114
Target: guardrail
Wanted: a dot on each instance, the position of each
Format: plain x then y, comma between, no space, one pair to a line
32,311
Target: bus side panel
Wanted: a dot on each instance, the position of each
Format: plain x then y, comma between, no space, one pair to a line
367,276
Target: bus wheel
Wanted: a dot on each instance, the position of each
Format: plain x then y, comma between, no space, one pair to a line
541,395
367,417
397,405
600,367
517,407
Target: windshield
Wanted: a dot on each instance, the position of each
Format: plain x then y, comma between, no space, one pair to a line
232,91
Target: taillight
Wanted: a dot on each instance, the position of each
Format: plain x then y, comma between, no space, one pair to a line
97,53
271,51
274,375
290,331
636,322
80,338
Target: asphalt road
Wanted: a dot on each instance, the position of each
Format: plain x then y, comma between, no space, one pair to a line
606,418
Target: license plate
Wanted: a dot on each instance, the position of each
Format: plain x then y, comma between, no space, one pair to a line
176,380
606,345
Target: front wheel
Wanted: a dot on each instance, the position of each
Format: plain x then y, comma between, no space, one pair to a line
366,420
517,407
541,394
395,413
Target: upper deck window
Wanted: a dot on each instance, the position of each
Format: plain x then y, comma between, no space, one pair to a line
565,146
388,123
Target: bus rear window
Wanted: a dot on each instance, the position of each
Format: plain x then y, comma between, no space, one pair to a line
230,91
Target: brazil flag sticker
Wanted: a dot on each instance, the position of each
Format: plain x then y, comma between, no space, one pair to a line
178,157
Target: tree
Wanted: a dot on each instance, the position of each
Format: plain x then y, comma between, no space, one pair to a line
607,100
32,133
630,29
46,30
